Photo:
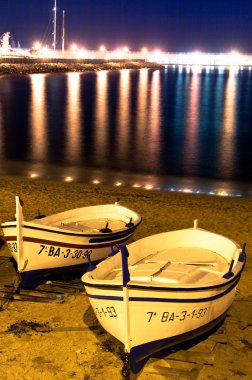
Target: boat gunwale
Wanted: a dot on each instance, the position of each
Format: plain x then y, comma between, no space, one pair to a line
57,230
146,285
166,299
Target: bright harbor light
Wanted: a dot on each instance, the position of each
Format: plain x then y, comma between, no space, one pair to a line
74,46
37,45
46,51
144,50
157,56
102,48
81,53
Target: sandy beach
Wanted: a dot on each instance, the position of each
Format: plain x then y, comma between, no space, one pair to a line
70,344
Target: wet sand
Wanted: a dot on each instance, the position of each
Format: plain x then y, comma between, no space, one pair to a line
69,342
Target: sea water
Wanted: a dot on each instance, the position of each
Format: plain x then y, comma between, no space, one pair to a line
178,128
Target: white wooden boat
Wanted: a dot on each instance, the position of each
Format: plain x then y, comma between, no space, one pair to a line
66,241
172,287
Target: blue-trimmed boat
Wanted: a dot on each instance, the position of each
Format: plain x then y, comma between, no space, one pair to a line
68,240
165,289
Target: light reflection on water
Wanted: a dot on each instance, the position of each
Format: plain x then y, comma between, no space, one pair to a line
101,130
73,117
141,114
184,129
227,135
122,138
153,132
38,117
191,149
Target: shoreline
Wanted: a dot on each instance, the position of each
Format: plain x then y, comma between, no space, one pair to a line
116,178
74,346
43,68
76,194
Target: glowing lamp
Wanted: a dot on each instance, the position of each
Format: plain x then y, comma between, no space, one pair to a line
144,50
37,45
74,47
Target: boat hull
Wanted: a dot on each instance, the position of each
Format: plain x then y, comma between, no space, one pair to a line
139,355
165,289
165,317
47,251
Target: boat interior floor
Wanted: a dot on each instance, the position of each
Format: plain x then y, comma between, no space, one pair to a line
180,265
94,225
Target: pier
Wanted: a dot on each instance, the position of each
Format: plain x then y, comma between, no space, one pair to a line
42,54
96,56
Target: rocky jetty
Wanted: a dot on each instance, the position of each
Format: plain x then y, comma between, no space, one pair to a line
61,67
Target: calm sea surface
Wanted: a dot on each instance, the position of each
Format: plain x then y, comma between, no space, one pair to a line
186,129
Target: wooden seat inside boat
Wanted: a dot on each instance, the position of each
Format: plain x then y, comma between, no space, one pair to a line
93,225
180,265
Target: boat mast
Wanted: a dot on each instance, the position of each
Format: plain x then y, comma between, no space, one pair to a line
19,221
63,32
54,25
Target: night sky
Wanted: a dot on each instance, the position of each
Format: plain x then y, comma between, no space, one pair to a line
178,25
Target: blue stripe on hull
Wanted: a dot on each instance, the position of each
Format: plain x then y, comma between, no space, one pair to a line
111,298
139,354
185,300
173,300
102,244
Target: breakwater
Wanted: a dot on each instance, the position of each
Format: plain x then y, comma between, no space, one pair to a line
39,66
